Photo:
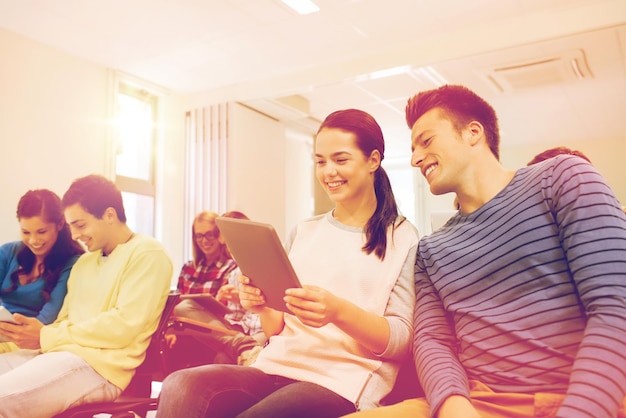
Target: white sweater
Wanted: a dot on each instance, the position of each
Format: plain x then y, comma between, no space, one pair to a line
328,254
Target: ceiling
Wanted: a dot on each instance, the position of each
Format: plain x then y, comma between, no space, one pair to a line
515,53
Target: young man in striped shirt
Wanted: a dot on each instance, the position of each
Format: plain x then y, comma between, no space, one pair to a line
521,296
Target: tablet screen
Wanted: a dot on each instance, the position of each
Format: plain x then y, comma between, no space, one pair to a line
208,302
260,255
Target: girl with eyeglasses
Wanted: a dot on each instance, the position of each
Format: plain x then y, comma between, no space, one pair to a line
209,296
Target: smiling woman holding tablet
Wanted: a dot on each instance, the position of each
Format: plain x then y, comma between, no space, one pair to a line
336,345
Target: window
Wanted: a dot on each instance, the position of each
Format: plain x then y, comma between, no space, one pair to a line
135,156
401,176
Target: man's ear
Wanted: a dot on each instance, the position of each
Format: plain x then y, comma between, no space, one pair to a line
473,132
374,160
110,215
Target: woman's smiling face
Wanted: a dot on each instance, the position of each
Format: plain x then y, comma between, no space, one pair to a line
340,166
207,238
39,235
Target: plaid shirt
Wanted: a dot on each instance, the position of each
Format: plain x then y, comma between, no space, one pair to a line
248,321
203,278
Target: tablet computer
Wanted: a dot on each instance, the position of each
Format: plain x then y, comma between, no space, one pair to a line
208,302
6,316
260,255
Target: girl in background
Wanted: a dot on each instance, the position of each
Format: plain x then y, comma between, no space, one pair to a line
210,275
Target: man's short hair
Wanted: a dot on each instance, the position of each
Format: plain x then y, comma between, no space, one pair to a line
461,106
553,152
95,194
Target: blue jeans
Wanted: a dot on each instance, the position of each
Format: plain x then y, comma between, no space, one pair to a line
34,385
229,391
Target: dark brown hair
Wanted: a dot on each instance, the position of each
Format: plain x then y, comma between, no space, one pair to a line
461,106
553,152
44,203
95,194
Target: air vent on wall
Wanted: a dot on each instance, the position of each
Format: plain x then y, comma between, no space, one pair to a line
539,72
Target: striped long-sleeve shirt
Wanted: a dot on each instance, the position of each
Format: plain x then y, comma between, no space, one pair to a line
528,293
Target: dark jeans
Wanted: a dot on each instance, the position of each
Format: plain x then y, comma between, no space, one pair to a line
230,346
227,391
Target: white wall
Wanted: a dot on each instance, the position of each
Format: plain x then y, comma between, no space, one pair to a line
52,122
170,180
270,170
256,168
54,127
299,178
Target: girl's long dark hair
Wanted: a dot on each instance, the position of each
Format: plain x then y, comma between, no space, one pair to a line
369,137
47,204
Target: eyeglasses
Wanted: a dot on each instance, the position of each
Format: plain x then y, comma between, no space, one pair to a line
209,236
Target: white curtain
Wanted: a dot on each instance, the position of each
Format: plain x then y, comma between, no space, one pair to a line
206,137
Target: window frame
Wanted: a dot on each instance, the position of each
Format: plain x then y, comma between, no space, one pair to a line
134,185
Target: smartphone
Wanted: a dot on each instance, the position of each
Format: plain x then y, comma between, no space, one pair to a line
6,316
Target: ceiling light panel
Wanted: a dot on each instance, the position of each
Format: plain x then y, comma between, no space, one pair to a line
303,7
